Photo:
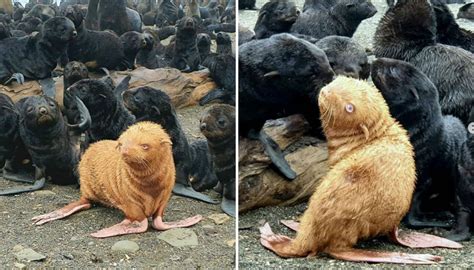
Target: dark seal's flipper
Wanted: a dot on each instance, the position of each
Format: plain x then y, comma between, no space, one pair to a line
85,117
18,77
13,175
228,206
214,94
122,87
181,190
49,87
274,152
22,189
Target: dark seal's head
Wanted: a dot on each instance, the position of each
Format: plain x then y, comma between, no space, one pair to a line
146,102
346,57
133,41
350,106
203,41
76,14
224,43
186,24
277,16
218,123
149,41
97,96
59,30
410,94
466,12
39,112
75,71
405,29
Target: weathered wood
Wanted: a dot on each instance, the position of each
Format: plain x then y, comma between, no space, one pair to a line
6,6
260,185
184,89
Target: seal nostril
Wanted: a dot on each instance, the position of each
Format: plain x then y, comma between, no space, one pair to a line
74,33
43,110
203,126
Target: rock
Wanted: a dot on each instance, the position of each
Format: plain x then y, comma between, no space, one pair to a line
209,229
17,248
219,218
179,237
44,193
230,243
20,266
125,246
29,255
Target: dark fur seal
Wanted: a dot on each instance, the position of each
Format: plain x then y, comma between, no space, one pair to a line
247,4
218,126
413,100
114,15
46,136
168,14
96,49
341,20
466,12
465,190
73,72
132,43
276,16
109,116
149,104
35,57
43,12
448,31
9,136
30,25
186,54
4,31
204,45
408,32
279,76
221,65
152,54
345,56
245,34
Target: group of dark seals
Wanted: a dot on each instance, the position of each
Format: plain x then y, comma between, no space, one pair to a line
424,72
89,37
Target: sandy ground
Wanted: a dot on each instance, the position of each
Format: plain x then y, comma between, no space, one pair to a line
67,243
253,256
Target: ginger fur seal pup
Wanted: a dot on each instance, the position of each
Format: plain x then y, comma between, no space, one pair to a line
135,174
358,199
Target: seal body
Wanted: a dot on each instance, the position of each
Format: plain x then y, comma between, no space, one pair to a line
451,69
275,17
368,188
139,164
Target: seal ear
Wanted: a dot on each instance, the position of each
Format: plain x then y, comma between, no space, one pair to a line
365,130
415,93
166,140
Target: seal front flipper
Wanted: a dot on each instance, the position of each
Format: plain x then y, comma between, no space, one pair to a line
274,152
17,77
228,206
81,204
421,240
122,87
461,229
359,255
280,244
38,184
48,86
125,227
187,191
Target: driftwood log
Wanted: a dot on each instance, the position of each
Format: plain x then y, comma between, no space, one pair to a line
261,185
184,89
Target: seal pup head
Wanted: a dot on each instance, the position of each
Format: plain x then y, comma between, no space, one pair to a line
38,112
143,144
59,30
218,122
350,107
408,92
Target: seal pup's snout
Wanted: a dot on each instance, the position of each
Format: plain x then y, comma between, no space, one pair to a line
43,110
203,126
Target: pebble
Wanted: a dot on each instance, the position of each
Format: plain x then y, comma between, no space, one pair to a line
209,229
179,237
219,218
230,243
20,266
44,193
29,255
126,246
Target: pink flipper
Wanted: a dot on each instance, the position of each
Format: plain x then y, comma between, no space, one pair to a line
159,225
279,244
125,227
421,240
291,224
359,255
67,210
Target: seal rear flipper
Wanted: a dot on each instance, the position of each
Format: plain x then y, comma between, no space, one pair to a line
22,189
291,224
18,77
414,222
359,255
186,191
274,152
228,206
421,240
214,94
48,86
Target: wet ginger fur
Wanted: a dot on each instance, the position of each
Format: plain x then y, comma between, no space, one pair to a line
135,174
369,186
